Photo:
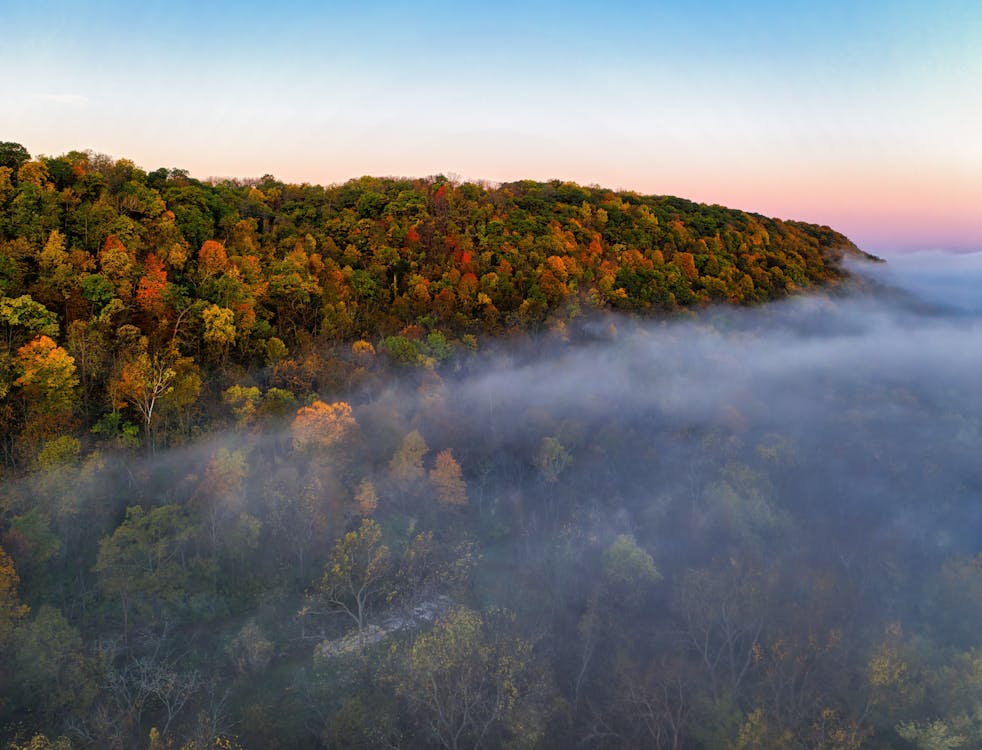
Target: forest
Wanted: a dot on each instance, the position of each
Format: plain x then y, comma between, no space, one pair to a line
431,463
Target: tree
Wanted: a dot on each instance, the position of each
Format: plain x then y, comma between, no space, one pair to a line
930,735
58,275
13,155
43,742
220,502
406,465
53,670
118,264
466,685
11,610
628,567
150,288
48,378
145,562
212,259
22,318
446,476
356,573
895,687
219,326
143,381
244,400
321,426
552,459
722,616
366,497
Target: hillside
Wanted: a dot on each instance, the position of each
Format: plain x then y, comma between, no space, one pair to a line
411,463
114,263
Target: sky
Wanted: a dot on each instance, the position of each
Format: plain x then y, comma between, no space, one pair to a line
863,116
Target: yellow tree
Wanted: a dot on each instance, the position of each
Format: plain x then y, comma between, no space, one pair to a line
219,325
220,332
118,264
220,501
48,378
469,686
446,476
321,432
321,425
406,466
58,276
552,459
49,386
355,574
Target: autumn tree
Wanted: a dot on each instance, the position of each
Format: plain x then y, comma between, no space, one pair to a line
212,259
58,276
48,378
220,332
118,264
11,610
722,616
467,685
151,286
366,498
355,575
23,318
220,503
446,476
143,381
406,465
321,426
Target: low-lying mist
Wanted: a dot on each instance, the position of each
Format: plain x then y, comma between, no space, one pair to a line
743,523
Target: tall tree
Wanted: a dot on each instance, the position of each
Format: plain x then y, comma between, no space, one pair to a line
355,575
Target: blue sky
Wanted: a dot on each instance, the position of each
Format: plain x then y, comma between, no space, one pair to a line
864,116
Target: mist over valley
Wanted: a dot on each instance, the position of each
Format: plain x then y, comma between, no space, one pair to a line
429,463
677,532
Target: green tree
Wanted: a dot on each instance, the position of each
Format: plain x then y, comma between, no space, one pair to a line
628,567
145,562
22,318
54,674
13,155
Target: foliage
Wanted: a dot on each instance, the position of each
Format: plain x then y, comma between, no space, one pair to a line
288,357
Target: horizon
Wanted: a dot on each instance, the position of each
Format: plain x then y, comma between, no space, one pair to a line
861,119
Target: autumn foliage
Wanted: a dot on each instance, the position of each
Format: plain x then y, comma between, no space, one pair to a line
217,401
321,426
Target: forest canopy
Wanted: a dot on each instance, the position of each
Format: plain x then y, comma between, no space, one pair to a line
430,463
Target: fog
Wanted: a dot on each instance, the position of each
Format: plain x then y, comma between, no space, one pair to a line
817,458
877,390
